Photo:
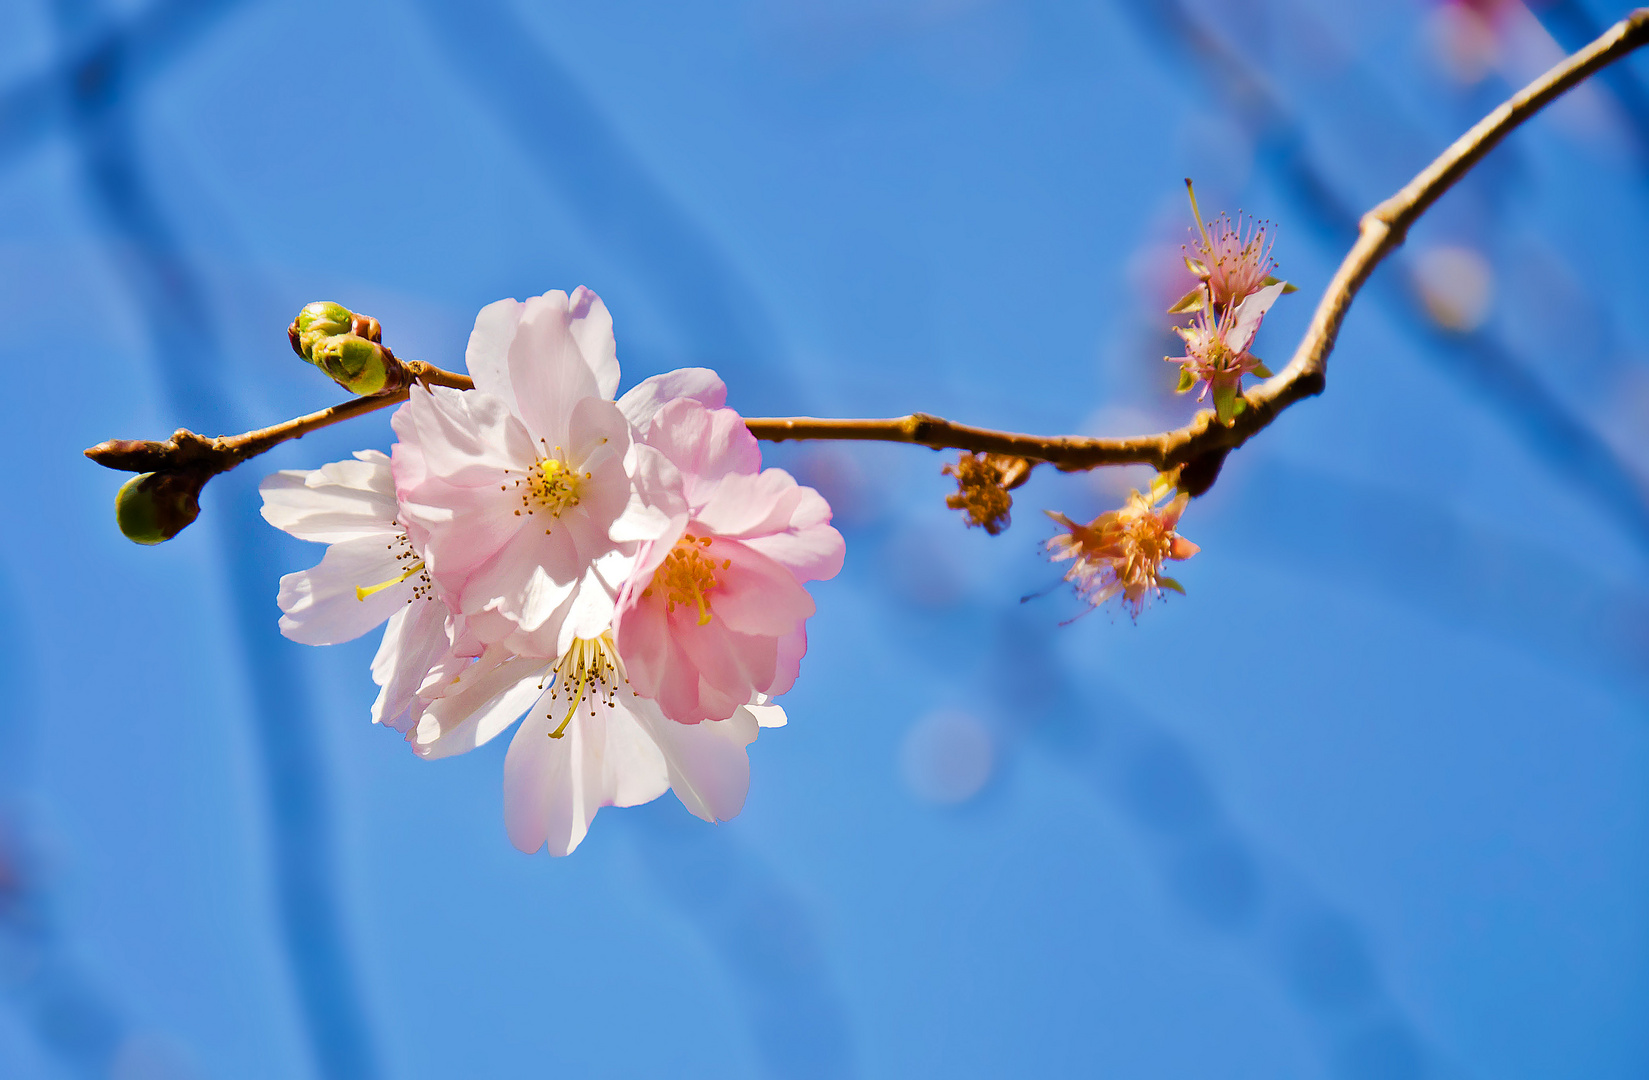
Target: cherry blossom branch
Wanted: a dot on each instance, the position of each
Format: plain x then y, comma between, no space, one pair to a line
187,451
1198,448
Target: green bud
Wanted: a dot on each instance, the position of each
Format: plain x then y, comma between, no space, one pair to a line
358,365
347,346
322,319
154,507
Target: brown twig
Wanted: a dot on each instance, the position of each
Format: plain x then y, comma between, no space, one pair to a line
1199,446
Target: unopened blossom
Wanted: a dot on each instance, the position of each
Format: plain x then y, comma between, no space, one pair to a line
713,613
371,572
1232,261
1217,350
1121,552
514,487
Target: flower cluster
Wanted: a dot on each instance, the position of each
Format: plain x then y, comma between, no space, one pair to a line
1122,551
624,573
1236,286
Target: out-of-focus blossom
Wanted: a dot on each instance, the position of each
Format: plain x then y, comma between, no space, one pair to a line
713,614
1121,552
1216,351
1233,261
514,487
371,572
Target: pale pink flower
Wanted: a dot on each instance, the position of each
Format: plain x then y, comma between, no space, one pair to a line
591,741
1216,351
713,614
1122,551
513,488
588,741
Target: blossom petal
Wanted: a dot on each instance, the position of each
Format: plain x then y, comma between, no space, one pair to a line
488,353
344,500
485,699
709,765
464,435
644,400
752,504
1249,313
414,641
553,787
705,444
755,594
320,604
591,325
548,368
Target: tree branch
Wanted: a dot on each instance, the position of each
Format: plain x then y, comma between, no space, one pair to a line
1200,445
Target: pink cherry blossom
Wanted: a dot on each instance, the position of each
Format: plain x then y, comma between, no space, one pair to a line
714,612
514,487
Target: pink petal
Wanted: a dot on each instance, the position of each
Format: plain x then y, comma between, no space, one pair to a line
548,371
648,396
755,594
705,444
488,354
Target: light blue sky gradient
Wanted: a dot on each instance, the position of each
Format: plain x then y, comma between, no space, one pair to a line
1370,801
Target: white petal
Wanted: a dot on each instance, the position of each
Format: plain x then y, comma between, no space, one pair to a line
548,371
321,605
766,715
341,501
592,328
553,787
709,765
414,641
488,353
488,698
1249,313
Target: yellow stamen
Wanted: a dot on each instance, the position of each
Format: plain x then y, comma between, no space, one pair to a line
362,594
590,662
1196,213
687,575
552,485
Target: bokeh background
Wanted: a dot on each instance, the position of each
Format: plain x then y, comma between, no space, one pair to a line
1370,802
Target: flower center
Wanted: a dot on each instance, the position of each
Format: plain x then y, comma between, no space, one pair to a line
552,486
587,671
413,564
687,575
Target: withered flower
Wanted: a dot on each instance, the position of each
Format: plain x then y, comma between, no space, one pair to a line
1122,551
982,485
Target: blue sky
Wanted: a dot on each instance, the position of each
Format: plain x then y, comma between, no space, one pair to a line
1369,801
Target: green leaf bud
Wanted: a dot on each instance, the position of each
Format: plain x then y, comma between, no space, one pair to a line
358,365
347,346
151,508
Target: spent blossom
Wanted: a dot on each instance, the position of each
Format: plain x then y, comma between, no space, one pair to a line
1121,552
1217,351
1232,261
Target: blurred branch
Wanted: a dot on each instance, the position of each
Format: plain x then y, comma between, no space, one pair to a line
1202,444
